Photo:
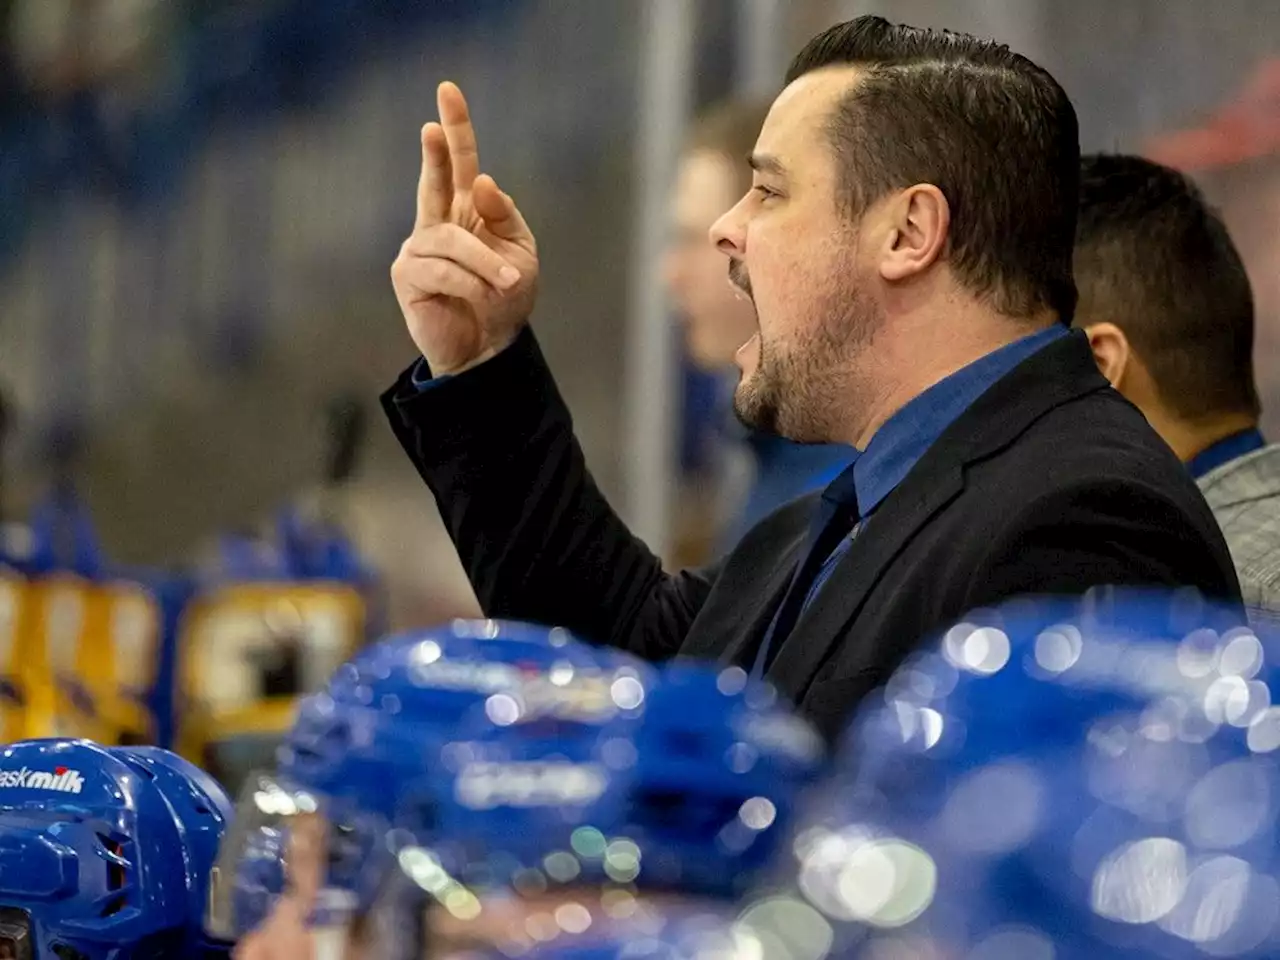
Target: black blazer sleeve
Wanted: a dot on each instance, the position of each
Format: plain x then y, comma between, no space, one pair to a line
1100,531
537,538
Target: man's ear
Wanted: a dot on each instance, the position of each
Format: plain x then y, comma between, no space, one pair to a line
1111,351
919,221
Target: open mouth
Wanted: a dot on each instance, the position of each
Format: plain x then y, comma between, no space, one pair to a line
739,280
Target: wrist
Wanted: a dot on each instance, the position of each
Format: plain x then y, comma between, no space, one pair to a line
491,351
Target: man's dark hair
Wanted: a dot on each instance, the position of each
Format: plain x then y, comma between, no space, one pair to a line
992,130
1156,260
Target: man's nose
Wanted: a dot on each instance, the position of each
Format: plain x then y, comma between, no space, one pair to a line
729,233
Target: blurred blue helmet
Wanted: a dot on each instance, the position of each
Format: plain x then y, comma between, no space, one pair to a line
686,791
1052,781
105,852
397,702
379,726
651,934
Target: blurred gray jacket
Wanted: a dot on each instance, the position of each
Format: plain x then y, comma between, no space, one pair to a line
1244,495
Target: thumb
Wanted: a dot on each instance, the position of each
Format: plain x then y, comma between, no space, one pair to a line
498,210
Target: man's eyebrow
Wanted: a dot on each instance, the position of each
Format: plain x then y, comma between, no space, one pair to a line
766,163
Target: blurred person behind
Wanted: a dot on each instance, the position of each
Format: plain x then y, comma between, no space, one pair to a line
1169,312
755,472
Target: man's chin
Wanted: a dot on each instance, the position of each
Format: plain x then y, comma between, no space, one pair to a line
753,410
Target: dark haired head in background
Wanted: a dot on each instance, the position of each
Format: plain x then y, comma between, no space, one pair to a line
1167,306
1165,298
913,187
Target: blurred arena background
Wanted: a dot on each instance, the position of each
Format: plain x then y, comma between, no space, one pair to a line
201,199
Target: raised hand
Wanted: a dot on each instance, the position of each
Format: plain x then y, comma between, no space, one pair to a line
467,276
288,933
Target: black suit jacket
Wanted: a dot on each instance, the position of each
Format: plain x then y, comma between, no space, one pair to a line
1049,484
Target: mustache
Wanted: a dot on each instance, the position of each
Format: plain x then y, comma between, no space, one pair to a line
739,278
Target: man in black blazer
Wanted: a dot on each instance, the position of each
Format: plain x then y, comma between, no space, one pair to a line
907,244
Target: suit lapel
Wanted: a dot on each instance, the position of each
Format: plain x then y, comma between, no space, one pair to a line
880,539
732,624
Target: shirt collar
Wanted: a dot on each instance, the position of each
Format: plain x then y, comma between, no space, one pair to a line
908,434
1225,450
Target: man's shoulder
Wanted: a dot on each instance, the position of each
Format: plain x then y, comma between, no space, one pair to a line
1093,467
1055,421
1094,438
1088,493
1082,416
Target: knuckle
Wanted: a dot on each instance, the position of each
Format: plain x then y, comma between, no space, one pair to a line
430,273
452,237
419,273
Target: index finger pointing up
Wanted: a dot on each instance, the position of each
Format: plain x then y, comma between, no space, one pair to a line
456,119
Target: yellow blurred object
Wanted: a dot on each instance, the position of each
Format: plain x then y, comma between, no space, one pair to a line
79,657
15,614
249,651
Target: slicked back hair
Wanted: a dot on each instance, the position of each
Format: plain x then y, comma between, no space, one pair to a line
992,130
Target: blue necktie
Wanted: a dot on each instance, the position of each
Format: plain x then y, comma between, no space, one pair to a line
831,536
828,565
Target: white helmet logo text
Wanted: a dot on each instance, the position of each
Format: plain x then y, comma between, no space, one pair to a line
61,779
483,786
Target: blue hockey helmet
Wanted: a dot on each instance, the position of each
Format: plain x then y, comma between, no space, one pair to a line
105,852
379,726
687,792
